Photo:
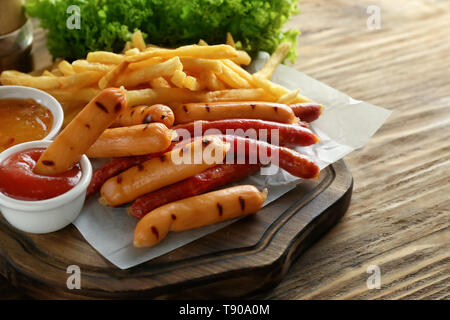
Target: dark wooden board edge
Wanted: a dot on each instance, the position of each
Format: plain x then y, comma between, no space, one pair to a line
250,281
244,280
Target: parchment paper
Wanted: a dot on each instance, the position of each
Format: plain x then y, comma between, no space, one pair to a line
345,125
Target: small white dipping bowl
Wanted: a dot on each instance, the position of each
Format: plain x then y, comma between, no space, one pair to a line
41,97
45,215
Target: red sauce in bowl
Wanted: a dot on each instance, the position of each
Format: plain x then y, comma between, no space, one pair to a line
18,181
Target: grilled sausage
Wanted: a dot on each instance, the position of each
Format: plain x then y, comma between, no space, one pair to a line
82,132
156,173
196,212
277,112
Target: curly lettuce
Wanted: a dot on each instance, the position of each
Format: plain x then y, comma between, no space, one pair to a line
256,25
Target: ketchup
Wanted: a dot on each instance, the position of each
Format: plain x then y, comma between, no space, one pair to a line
18,181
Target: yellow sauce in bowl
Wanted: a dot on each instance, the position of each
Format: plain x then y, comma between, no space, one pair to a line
23,120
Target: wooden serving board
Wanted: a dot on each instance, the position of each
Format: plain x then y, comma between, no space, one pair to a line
240,260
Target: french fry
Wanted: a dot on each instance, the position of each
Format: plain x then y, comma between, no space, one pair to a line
220,51
210,81
289,97
138,40
56,72
192,84
232,78
230,40
66,150
275,59
66,68
240,71
145,114
152,46
181,80
177,95
132,51
155,95
243,58
10,77
199,65
48,73
145,63
83,79
84,65
159,82
79,95
180,95
276,90
105,57
178,78
270,87
55,64
131,141
145,74
109,79
128,46
236,95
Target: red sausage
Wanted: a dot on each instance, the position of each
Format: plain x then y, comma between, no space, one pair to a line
290,160
288,134
205,181
112,168
308,111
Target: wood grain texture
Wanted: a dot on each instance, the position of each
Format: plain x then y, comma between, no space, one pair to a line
248,256
399,215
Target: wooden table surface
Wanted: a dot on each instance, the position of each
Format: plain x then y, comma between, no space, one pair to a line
399,216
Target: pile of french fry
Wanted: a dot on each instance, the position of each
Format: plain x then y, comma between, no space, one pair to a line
193,73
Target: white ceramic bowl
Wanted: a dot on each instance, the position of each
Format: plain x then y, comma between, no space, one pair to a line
40,97
46,215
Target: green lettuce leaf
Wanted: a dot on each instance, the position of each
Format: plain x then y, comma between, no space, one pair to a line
257,25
